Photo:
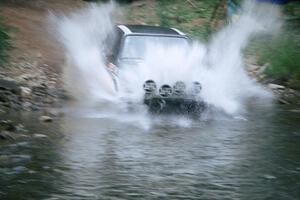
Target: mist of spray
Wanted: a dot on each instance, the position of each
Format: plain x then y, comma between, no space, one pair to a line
217,65
83,34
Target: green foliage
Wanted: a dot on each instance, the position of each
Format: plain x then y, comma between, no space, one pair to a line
283,55
119,1
192,17
283,52
4,43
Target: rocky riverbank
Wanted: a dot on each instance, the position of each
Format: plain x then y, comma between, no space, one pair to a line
283,94
10,131
35,89
32,79
32,90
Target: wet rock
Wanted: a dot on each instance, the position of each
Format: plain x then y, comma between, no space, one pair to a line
54,112
283,101
25,92
35,107
7,125
53,79
260,71
9,84
39,135
6,135
25,77
261,77
3,97
27,106
5,104
48,101
20,128
253,67
40,90
45,118
291,91
8,130
28,64
276,86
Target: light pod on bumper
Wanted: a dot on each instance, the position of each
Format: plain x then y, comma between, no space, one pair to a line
179,88
165,91
196,88
149,86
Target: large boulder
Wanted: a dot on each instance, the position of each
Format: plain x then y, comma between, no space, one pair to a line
9,84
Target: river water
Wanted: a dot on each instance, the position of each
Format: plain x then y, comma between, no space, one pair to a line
256,156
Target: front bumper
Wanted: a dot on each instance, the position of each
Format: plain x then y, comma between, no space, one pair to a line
173,99
176,105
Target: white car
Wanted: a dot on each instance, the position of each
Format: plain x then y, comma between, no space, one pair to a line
129,44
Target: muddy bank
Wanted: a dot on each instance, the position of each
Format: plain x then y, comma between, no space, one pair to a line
31,80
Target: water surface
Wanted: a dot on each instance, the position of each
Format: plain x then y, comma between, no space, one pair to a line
254,157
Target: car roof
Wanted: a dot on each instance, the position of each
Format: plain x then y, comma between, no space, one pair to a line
146,29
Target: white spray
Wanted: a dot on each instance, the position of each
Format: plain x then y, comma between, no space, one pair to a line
83,34
218,65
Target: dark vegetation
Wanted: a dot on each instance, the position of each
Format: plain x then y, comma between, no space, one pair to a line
282,53
282,56
197,18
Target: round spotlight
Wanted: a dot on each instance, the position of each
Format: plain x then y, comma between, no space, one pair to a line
196,87
179,88
165,91
149,86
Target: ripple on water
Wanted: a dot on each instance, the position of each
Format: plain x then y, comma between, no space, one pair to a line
37,135
21,144
20,158
18,170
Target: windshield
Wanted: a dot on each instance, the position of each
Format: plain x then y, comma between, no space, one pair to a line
135,46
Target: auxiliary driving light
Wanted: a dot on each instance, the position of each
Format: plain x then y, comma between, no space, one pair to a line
179,88
165,91
196,87
149,86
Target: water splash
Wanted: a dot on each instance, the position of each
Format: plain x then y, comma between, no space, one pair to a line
218,65
83,34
